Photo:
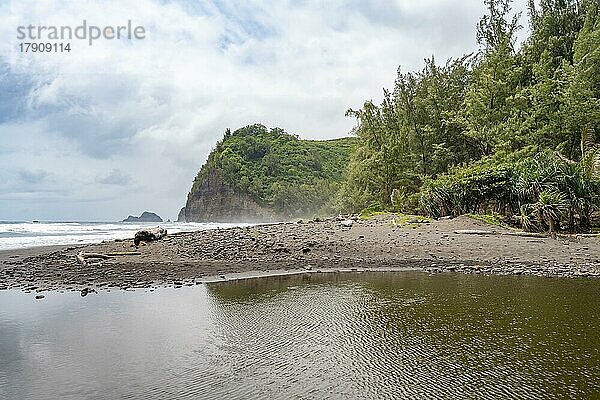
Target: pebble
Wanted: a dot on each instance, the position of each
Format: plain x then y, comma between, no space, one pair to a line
322,244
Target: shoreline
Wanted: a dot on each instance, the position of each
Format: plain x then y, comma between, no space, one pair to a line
249,275
381,243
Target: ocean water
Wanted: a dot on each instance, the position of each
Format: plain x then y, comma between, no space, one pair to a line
18,235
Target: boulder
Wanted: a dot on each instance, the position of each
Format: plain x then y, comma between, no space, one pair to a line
86,291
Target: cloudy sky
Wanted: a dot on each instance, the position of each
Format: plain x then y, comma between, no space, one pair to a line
123,126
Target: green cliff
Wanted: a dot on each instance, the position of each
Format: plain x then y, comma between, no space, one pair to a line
260,174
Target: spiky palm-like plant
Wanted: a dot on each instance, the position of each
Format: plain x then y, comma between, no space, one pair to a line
589,180
550,207
527,219
590,155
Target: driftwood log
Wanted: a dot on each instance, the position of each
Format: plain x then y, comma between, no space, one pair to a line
485,233
474,232
149,235
94,255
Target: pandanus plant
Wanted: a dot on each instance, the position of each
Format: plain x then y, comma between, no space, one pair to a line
583,181
550,207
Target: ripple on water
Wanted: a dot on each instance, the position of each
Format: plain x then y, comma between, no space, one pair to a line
345,336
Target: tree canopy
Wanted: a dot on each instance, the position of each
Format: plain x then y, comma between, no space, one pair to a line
292,176
508,130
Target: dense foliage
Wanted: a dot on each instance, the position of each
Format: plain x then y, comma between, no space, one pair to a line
294,177
507,130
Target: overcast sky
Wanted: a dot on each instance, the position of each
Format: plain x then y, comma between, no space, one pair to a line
123,126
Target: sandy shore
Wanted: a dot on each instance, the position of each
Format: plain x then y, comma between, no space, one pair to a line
197,257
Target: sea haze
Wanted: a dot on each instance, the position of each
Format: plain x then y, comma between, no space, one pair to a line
20,235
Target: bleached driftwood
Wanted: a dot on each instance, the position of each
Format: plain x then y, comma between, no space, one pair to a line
81,259
526,234
149,235
124,253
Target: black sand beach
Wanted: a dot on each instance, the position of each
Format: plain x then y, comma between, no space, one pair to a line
458,245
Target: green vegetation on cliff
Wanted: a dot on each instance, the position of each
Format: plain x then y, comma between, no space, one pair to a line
292,177
509,130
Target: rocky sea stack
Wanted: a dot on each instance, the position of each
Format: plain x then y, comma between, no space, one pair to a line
181,215
146,216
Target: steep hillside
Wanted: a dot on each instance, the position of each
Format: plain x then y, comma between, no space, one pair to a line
260,174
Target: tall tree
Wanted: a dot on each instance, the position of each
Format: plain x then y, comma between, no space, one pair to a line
526,119
584,91
547,58
494,80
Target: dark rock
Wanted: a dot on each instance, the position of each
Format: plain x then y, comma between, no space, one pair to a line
86,291
181,215
216,201
144,217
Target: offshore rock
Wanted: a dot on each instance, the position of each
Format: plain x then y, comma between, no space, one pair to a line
146,216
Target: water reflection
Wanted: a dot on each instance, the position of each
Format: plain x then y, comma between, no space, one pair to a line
309,336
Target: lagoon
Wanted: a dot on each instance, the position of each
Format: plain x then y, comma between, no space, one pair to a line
345,336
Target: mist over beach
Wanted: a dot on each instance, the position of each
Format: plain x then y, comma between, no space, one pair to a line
21,235
345,199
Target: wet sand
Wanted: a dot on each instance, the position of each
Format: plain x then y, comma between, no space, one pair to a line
309,247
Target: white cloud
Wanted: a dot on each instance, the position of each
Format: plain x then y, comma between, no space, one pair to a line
154,108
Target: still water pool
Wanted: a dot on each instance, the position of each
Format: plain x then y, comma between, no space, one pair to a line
346,336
